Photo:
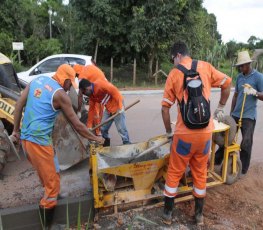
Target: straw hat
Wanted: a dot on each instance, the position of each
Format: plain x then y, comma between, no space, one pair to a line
243,58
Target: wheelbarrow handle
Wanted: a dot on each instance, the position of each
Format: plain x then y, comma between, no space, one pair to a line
115,115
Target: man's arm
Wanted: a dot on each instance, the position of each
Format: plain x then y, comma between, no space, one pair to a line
219,112
260,96
20,104
219,79
62,101
167,101
166,119
225,92
234,101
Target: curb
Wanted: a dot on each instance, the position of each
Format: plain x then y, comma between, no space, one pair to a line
157,91
27,217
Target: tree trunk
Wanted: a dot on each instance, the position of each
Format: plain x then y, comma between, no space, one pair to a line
150,66
111,70
134,72
96,50
156,70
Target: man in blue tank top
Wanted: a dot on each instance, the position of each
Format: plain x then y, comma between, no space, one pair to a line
42,99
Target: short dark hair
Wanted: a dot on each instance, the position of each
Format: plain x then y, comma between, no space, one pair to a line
179,47
84,84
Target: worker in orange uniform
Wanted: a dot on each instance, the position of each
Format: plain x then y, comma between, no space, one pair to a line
91,73
108,95
191,139
42,99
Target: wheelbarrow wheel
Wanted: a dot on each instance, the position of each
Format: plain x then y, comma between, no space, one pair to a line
231,177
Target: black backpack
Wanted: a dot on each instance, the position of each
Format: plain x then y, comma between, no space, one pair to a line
196,111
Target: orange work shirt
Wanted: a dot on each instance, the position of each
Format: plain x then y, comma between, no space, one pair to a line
92,73
174,88
107,94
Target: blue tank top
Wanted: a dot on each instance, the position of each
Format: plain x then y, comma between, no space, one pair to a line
39,115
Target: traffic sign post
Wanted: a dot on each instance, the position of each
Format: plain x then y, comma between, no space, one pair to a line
18,46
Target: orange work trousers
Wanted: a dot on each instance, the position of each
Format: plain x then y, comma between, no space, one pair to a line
192,150
42,159
95,115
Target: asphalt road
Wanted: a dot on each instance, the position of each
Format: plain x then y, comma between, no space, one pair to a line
144,120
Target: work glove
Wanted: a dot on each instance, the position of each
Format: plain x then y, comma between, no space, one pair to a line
249,90
170,135
219,112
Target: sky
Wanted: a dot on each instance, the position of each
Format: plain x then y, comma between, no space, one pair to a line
237,19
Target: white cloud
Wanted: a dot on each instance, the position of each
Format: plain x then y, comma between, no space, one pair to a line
237,20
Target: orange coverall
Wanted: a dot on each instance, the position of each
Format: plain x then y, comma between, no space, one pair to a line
41,157
108,95
190,146
92,73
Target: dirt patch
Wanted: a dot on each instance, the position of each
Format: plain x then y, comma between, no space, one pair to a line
239,206
19,184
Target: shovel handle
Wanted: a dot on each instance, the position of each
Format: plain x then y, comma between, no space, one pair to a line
115,115
150,149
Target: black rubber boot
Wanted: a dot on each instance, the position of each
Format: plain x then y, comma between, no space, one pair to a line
106,142
46,215
168,210
199,205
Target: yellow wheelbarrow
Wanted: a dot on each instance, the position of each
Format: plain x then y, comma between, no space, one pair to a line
127,175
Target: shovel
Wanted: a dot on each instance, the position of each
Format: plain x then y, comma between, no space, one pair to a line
115,115
149,150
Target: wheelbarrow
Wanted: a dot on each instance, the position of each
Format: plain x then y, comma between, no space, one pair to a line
124,175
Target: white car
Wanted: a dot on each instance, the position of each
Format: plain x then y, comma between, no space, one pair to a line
49,65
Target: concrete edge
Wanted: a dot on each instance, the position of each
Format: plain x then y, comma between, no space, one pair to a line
27,217
157,91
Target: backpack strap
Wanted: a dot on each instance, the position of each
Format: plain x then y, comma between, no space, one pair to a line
182,69
194,65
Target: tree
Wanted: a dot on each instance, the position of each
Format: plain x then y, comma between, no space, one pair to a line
154,26
252,41
5,43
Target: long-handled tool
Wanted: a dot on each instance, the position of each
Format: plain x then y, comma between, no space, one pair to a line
115,115
242,110
149,150
104,122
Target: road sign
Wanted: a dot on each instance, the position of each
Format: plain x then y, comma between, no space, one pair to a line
18,45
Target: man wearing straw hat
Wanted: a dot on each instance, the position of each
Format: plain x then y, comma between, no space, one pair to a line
254,90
